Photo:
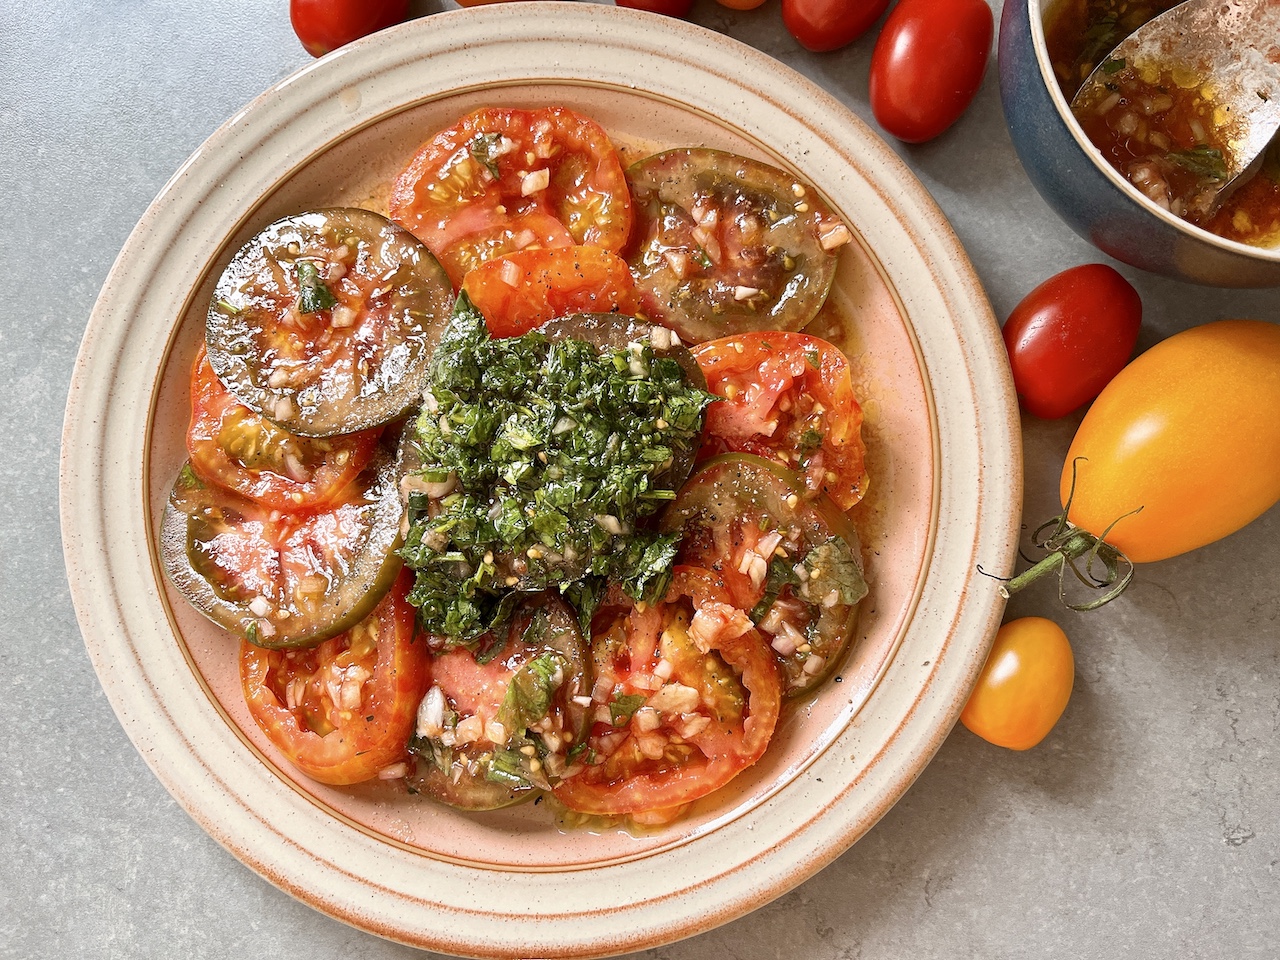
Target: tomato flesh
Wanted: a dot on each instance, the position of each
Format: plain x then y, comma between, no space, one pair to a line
1024,686
686,697
787,397
342,712
1187,435
927,65
725,244
243,452
356,355
502,180
1069,337
525,289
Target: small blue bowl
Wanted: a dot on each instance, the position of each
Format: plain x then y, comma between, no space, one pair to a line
1087,192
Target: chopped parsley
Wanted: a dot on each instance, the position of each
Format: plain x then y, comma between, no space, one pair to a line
556,454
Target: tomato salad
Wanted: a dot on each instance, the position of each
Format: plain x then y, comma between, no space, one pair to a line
535,487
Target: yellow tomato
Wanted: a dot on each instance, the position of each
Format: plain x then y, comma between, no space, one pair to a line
1187,435
1024,686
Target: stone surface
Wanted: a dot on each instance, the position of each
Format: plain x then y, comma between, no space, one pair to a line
1145,826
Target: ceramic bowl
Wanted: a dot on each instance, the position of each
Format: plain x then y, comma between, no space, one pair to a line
1086,191
944,455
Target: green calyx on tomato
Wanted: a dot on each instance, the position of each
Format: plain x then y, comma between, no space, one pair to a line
542,458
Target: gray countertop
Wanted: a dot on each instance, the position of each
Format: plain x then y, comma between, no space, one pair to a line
1146,825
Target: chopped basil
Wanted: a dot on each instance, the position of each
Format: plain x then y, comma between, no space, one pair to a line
313,295
509,768
1113,66
560,453
810,441
623,707
1203,160
781,574
832,566
529,693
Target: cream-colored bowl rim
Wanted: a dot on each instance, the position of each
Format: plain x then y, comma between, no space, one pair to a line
585,911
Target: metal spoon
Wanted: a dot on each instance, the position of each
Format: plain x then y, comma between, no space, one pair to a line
1235,44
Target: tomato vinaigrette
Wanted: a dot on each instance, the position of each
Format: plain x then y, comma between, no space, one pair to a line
538,486
1163,133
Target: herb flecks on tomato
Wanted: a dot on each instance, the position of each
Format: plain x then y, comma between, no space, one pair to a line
502,180
542,458
788,397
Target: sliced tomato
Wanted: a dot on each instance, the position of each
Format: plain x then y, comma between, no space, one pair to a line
724,244
501,716
325,322
342,712
282,579
793,561
686,697
525,289
788,397
501,180
242,451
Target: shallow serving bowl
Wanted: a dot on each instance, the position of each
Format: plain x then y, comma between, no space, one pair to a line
944,455
1086,191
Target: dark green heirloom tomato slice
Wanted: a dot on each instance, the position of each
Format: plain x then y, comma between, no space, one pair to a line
325,322
279,579
789,557
724,244
503,715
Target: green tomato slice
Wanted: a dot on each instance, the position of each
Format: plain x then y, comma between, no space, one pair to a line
724,244
325,322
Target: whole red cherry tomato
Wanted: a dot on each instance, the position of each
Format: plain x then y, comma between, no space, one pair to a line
324,25
928,64
672,8
822,25
1069,336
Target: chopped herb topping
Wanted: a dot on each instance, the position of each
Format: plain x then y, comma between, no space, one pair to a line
781,574
313,295
529,693
557,453
1110,67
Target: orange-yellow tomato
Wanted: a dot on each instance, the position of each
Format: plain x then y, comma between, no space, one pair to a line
1190,433
1024,686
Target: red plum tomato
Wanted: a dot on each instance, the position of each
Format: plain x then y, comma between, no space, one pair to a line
1024,686
670,8
928,64
1069,336
324,25
822,25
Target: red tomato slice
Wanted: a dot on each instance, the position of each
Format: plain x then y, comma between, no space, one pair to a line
501,180
787,397
241,451
687,696
342,712
523,290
